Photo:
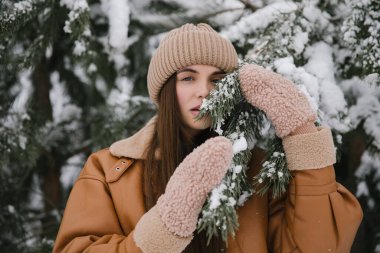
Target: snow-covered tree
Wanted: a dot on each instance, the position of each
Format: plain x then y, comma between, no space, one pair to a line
73,80
71,83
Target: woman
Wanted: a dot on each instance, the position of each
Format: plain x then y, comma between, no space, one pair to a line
144,193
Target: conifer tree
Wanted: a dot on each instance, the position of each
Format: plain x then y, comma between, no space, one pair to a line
73,80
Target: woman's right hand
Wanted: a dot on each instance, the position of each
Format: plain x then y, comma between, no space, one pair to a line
178,208
194,178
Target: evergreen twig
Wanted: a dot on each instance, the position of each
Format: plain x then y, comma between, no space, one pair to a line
233,117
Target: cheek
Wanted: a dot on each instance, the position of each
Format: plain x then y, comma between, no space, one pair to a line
182,96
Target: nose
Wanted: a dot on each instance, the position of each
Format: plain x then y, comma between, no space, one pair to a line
204,88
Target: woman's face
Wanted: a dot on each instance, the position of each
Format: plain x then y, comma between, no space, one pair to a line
193,84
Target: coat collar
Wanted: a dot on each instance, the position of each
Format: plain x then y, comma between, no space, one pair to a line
135,145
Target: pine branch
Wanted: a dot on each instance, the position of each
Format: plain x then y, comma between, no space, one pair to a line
360,33
274,175
167,22
249,5
213,14
233,117
40,36
22,13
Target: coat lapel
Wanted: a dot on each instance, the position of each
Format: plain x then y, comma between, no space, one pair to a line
134,146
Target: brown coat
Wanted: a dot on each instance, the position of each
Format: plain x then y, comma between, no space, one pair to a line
316,215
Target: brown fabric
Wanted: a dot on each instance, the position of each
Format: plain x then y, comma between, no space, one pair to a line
97,217
303,151
316,215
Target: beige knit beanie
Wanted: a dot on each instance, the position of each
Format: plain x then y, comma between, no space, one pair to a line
189,45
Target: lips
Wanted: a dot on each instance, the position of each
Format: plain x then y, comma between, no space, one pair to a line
196,108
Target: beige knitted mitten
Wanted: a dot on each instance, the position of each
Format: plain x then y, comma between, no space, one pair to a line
188,187
286,106
169,225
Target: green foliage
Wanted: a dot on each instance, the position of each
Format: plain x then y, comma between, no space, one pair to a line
360,33
65,47
369,197
274,176
17,16
19,139
233,117
32,43
117,122
58,51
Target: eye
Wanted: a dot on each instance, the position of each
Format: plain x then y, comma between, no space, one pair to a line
217,78
188,78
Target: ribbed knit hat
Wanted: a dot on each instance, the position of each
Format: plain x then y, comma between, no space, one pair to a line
189,45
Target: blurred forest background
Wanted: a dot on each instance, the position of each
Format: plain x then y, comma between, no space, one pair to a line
73,80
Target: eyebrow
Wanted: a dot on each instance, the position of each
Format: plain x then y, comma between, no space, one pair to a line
218,72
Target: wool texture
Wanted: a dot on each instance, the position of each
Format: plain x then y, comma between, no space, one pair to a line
310,151
151,235
193,179
285,105
306,128
185,46
135,145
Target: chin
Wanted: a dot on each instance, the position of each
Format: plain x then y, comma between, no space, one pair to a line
201,124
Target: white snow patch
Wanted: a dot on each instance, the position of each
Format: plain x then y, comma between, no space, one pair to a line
21,102
79,47
217,195
258,20
36,200
239,145
299,41
243,198
118,15
63,110
71,170
306,82
92,68
362,189
332,101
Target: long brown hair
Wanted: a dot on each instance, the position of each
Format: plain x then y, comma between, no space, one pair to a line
173,143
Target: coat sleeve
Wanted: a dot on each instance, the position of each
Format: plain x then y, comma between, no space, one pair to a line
317,214
91,223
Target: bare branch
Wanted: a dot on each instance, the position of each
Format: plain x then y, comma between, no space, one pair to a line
168,22
248,5
212,14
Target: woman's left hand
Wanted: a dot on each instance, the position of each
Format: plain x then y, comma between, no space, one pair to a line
285,105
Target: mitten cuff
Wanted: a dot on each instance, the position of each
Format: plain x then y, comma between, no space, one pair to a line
310,151
151,235
306,128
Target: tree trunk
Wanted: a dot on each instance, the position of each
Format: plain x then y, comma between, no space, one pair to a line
47,164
